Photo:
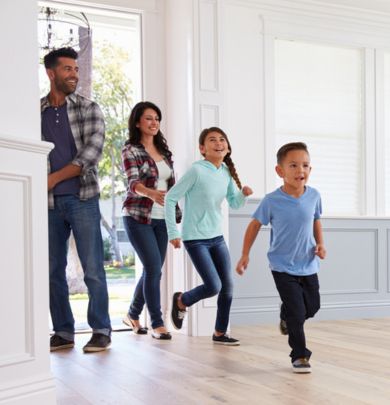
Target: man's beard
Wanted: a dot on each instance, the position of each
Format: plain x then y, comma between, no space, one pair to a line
64,87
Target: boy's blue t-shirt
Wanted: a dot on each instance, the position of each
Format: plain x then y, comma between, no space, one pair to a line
292,241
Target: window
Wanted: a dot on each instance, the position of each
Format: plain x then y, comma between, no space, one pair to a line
122,236
120,231
318,100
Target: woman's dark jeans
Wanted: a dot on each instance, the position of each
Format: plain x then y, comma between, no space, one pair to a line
150,243
212,261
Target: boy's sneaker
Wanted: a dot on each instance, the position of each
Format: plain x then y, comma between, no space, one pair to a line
177,314
59,343
225,340
301,365
283,327
97,343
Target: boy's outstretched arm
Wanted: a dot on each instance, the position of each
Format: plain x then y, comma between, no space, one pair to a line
250,236
320,250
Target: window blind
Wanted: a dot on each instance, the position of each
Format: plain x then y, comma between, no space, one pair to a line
318,100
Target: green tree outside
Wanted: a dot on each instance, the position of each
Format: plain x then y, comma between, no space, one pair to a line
113,91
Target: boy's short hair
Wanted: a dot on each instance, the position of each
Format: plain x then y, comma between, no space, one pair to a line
288,147
51,59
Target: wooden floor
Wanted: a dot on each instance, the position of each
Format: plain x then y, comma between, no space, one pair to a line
351,365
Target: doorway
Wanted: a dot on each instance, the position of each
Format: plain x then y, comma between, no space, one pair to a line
109,47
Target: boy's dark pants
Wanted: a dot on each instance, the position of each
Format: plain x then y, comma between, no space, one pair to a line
300,297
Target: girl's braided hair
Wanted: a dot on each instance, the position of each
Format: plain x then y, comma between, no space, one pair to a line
227,159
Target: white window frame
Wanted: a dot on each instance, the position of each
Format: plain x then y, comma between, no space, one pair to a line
359,204
373,137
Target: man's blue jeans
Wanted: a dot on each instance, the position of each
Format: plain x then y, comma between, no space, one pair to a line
150,242
212,261
83,218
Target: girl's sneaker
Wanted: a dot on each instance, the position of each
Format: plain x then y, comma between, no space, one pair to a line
225,340
301,365
177,314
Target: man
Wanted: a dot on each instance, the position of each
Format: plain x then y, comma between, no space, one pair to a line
75,125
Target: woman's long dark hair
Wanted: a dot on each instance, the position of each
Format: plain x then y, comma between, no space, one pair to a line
227,159
135,134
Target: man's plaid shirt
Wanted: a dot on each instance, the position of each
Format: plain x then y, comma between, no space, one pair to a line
140,168
87,125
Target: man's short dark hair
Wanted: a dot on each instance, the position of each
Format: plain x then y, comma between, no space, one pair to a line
288,147
51,59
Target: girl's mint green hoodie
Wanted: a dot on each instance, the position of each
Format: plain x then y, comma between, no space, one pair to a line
204,187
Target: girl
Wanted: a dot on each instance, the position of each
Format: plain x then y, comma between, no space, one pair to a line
205,185
148,164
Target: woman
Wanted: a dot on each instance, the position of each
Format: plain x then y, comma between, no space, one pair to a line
148,164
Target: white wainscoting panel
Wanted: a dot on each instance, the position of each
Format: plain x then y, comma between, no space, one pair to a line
351,265
209,115
25,376
388,259
208,45
17,343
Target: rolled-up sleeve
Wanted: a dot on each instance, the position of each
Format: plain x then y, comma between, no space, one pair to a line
94,133
130,167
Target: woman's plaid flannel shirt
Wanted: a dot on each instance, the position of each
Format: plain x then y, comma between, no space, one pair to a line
140,168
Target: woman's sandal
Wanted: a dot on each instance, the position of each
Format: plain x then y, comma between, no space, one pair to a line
141,330
162,335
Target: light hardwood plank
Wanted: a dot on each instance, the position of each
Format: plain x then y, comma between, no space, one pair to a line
351,365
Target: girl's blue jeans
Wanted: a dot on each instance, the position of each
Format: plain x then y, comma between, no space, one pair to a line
150,243
212,261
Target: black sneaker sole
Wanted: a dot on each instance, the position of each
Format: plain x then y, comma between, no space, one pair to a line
94,349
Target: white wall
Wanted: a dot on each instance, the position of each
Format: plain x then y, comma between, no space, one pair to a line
20,92
24,351
355,277
230,54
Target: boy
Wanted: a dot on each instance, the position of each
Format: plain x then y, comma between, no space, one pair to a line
293,211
